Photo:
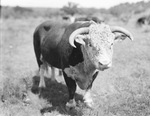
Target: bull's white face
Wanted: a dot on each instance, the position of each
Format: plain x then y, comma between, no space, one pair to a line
99,46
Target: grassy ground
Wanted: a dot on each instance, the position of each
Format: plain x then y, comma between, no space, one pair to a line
123,90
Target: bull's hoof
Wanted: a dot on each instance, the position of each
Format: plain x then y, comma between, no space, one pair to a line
89,103
41,89
53,80
25,98
26,101
71,104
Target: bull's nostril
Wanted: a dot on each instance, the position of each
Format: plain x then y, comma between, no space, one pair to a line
104,63
100,63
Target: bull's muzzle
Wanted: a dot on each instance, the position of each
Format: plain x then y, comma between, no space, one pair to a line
103,65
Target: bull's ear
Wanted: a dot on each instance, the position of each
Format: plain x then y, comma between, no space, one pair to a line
80,39
120,37
121,30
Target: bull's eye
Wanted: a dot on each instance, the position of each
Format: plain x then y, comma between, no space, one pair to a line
89,44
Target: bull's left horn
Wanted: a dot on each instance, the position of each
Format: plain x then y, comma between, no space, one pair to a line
122,30
77,32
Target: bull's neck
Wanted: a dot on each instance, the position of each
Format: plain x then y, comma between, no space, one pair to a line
82,72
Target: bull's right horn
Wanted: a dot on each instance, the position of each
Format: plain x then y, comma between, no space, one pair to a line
77,32
121,30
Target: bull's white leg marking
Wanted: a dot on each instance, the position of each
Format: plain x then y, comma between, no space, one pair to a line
71,103
42,81
47,70
53,74
88,99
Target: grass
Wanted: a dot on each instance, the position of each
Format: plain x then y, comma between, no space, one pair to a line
123,90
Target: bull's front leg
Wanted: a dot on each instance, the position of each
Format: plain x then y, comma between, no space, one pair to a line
71,84
87,96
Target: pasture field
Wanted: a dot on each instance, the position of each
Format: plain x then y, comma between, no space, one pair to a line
122,90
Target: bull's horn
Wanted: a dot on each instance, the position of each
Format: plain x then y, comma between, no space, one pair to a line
121,30
77,32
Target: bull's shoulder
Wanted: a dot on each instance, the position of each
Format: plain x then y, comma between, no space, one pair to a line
71,56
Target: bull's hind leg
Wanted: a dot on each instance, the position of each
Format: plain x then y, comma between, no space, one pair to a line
53,74
42,70
45,68
71,89
60,72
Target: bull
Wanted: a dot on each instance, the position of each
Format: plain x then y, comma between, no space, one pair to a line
42,29
81,50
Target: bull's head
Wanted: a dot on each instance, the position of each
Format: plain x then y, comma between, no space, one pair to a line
97,41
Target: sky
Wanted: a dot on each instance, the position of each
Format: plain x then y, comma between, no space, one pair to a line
61,3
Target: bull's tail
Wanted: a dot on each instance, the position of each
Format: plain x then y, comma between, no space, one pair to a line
37,47
37,39
38,36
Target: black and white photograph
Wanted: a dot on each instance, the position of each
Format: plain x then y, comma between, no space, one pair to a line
74,57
